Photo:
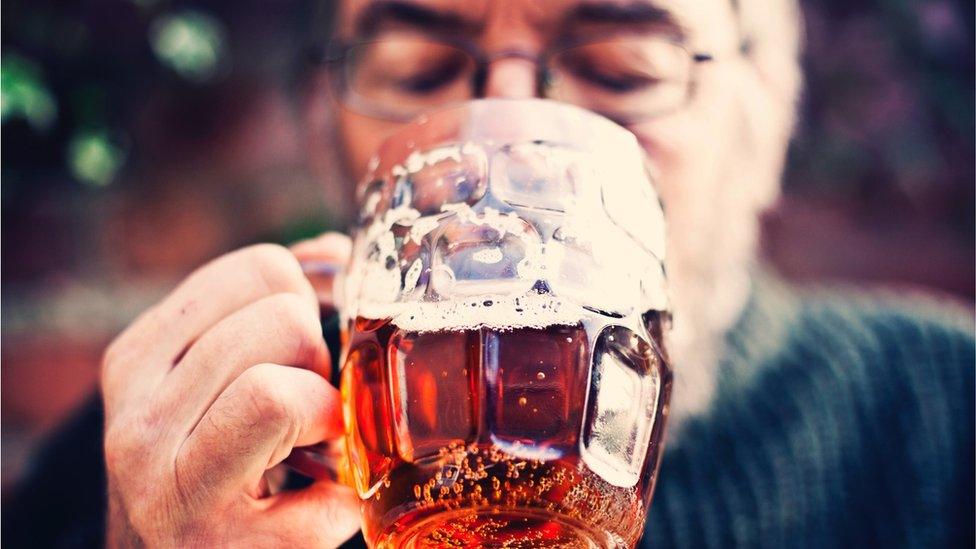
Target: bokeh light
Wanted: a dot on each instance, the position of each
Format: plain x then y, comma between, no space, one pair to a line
93,158
23,93
191,43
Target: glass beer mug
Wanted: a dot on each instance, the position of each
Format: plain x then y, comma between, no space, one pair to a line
504,377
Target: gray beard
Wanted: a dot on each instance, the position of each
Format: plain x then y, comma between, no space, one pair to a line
709,288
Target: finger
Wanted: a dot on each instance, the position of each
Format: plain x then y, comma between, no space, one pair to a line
321,259
140,357
331,246
325,514
254,424
280,329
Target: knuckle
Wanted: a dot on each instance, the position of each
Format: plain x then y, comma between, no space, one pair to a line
298,327
289,309
258,386
276,267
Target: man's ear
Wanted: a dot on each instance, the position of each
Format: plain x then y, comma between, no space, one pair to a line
770,107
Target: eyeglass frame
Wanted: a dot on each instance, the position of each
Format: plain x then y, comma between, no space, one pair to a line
337,52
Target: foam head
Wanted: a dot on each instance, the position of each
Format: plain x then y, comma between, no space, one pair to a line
506,214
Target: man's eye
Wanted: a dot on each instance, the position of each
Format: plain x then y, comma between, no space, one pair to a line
616,81
431,79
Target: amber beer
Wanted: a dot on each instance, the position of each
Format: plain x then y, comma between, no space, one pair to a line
473,438
504,377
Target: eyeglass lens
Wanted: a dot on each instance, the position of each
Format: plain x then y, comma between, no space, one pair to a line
400,76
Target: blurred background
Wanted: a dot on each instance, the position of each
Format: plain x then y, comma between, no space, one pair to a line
142,137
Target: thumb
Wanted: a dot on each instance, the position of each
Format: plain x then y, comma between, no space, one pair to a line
321,259
325,514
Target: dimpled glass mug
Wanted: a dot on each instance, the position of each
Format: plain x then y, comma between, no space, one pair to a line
504,377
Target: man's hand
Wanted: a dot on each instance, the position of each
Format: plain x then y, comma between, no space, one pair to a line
211,388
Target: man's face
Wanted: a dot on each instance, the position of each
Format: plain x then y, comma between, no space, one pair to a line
530,26
716,158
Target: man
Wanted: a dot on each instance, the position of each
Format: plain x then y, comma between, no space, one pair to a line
822,419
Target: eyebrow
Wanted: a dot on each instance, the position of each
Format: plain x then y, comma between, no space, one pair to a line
632,14
382,13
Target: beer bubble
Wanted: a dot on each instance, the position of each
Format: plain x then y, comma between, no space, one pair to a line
542,375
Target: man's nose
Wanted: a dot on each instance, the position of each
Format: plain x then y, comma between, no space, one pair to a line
512,77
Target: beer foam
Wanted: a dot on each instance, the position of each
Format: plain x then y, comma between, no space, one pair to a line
481,252
497,312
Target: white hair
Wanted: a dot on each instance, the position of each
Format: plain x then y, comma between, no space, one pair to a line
711,258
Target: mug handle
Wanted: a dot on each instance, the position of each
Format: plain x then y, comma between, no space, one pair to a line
325,460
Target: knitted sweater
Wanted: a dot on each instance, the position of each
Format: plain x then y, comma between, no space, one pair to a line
840,420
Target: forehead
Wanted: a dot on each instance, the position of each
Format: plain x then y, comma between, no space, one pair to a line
706,22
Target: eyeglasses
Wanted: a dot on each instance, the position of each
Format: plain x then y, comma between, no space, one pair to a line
628,79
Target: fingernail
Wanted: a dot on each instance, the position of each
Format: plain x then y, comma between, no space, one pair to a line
318,267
